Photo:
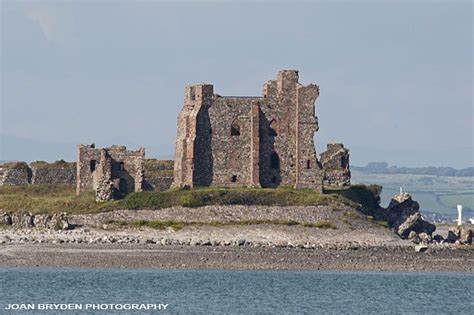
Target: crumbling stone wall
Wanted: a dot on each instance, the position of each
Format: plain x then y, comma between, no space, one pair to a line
103,175
158,174
39,172
15,173
57,173
263,141
98,168
335,163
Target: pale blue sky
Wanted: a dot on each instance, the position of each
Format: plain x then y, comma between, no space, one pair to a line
395,78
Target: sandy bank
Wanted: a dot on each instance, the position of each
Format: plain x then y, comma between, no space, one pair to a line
152,256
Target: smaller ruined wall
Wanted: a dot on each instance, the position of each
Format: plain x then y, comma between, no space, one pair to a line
15,173
337,178
87,161
39,172
105,186
57,173
126,168
158,174
335,163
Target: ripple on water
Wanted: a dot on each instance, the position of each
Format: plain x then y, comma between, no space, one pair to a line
245,292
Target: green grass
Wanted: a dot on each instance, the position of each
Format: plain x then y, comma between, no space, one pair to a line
55,198
50,199
366,196
198,197
178,225
379,222
323,224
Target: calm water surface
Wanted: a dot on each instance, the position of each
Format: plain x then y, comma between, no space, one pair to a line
243,292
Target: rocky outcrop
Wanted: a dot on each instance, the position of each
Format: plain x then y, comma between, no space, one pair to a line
404,217
22,220
459,235
52,221
56,221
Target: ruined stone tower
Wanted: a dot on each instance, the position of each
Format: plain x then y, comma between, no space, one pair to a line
112,172
267,141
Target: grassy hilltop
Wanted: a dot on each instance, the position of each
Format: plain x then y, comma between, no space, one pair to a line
50,199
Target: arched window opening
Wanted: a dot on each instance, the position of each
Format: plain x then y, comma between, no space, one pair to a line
274,161
235,128
233,178
273,128
308,164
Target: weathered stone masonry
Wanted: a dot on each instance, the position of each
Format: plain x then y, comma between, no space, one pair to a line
59,172
15,173
158,174
335,162
249,141
39,172
222,141
113,172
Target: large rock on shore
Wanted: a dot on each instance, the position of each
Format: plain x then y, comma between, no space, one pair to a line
22,219
56,221
5,218
404,217
459,235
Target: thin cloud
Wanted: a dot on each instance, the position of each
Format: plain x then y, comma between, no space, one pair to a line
48,21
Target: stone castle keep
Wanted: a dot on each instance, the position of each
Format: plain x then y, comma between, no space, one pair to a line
267,141
222,141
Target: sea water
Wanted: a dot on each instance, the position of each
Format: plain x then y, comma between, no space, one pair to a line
236,292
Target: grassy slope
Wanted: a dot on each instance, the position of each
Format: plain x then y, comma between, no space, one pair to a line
48,199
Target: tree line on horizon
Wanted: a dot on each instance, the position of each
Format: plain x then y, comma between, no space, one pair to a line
383,168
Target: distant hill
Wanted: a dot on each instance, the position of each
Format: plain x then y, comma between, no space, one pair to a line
383,168
436,194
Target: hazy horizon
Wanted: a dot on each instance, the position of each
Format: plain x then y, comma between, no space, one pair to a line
395,78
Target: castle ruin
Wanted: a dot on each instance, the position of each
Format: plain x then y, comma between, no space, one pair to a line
267,141
112,172
222,141
335,163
